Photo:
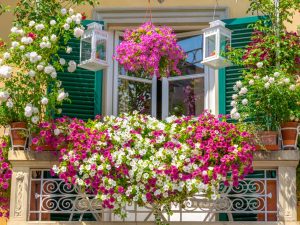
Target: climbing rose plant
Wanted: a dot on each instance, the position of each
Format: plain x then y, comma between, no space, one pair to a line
138,159
150,50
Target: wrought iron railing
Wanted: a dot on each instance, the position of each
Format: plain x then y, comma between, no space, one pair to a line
255,198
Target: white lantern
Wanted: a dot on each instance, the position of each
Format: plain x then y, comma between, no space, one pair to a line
216,41
93,48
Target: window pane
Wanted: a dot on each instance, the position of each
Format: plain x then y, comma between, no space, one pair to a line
211,46
192,46
86,48
134,96
186,97
101,49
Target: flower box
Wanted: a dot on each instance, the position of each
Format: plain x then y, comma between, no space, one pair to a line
266,140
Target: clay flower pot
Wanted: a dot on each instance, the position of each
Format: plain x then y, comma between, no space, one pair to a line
43,147
19,135
267,140
289,133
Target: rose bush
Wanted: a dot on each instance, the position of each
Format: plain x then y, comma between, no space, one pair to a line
149,51
138,159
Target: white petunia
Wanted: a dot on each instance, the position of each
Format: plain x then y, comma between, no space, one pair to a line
5,71
267,85
66,26
259,64
53,37
69,20
233,103
276,74
271,80
45,38
53,75
49,69
79,16
63,11
69,50
14,44
6,55
78,21
39,27
14,29
72,63
265,78
44,101
251,82
35,119
62,61
61,96
31,23
43,45
4,95
239,84
26,40
21,32
10,104
292,87
40,67
245,101
243,91
28,111
31,73
286,80
33,57
234,96
78,32
56,132
48,44
22,47
52,22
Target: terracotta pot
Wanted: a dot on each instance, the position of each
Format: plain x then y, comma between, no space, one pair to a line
44,147
267,140
18,134
289,134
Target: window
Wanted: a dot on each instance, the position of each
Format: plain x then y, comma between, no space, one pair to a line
179,95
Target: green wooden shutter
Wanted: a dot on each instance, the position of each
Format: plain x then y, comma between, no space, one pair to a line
84,86
241,37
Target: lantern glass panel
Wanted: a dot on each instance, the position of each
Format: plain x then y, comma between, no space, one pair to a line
101,49
224,45
210,46
86,49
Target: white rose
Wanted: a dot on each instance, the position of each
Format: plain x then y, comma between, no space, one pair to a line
71,69
40,67
33,57
53,37
78,32
9,104
62,61
56,132
44,101
52,22
45,39
69,20
22,47
72,63
5,71
256,77
235,96
271,80
43,45
69,50
14,44
243,91
48,44
235,116
14,29
267,85
78,21
28,111
4,95
233,103
292,87
48,69
73,17
259,64
39,27
286,80
6,55
35,119
276,74
239,84
63,11
265,78
31,73
245,101
79,16
31,23
251,82
53,75
66,26
61,96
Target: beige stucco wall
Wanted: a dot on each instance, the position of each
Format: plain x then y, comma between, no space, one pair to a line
236,8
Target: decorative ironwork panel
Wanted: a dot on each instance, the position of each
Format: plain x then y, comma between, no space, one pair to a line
254,198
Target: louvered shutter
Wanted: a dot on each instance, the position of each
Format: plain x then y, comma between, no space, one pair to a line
241,37
84,86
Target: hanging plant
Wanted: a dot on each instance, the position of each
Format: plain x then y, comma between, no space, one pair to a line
150,51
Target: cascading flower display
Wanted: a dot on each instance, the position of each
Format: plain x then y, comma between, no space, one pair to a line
138,159
150,50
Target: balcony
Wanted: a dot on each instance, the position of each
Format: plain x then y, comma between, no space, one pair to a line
267,196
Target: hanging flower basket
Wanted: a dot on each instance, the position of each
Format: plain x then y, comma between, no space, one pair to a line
150,51
19,135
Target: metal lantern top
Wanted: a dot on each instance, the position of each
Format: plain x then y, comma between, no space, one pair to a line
216,41
93,48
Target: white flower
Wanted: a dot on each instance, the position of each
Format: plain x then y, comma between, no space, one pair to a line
39,27
286,80
72,63
235,96
33,57
31,73
79,16
45,38
251,82
271,80
62,61
26,40
235,116
73,17
53,37
14,44
40,67
56,132
71,11
256,77
43,45
292,87
53,75
4,95
71,69
22,47
31,23
21,32
243,91
44,101
61,96
239,84
63,11
52,22
14,29
78,21
6,55
35,119
245,101
28,111
78,32
265,78
66,26
276,74
9,104
69,20
259,64
5,71
48,44
267,85
233,103
69,50
49,69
